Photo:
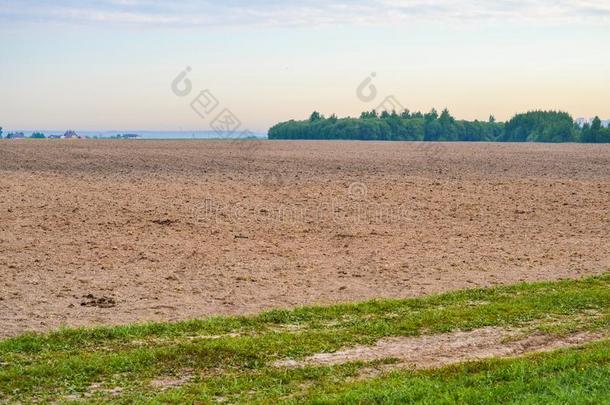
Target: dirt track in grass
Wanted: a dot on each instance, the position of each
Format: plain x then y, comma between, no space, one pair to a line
111,232
425,352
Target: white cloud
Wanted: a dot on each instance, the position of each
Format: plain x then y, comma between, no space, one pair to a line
305,12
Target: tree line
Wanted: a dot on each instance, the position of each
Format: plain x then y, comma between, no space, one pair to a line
533,126
21,135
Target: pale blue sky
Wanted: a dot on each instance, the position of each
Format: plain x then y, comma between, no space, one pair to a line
108,64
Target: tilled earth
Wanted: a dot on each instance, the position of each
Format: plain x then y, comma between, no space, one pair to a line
112,232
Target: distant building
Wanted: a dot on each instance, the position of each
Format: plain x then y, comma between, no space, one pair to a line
55,136
131,136
71,135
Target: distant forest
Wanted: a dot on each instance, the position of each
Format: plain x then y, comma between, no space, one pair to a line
533,126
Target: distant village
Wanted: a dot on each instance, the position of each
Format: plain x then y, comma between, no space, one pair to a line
67,135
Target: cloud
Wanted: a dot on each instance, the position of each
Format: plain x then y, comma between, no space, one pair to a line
302,13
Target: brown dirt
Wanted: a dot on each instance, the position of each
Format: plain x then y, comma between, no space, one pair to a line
440,350
186,229
168,382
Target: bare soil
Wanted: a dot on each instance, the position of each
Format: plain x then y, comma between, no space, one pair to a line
171,230
425,352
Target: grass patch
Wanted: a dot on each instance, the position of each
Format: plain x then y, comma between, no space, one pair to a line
228,359
575,376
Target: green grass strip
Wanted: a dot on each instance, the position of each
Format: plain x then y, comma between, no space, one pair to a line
228,358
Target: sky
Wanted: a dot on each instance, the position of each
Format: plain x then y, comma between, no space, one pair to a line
116,64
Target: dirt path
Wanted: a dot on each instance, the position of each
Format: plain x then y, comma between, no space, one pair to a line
440,350
115,232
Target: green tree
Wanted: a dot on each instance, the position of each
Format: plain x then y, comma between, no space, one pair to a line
605,135
445,118
38,135
433,131
431,116
315,116
596,125
596,130
538,126
585,135
533,126
0,132
592,133
448,128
